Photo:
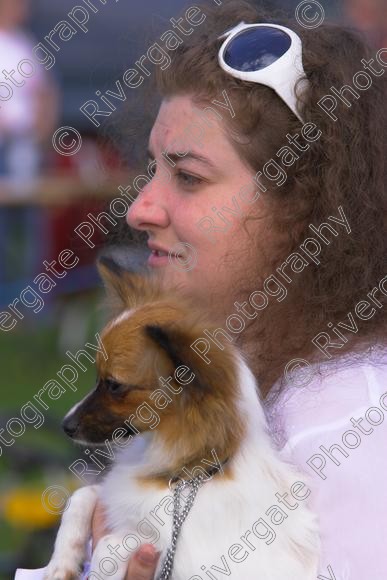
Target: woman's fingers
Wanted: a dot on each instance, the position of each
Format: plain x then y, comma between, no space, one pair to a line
142,565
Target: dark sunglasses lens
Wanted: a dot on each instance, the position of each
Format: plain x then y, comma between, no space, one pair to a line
256,48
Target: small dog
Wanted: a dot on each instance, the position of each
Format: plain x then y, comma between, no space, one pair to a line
205,412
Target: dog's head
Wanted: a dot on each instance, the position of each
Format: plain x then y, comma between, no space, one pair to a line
151,379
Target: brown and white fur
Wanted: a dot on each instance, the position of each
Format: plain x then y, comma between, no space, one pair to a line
218,410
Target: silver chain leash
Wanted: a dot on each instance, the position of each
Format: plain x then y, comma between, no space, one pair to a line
178,519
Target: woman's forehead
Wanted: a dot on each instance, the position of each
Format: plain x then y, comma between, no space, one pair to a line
179,127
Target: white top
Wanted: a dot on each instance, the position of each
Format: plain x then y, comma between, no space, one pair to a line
348,487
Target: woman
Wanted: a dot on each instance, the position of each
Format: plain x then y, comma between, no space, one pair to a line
300,256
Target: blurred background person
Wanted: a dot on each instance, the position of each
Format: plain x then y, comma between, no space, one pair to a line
369,16
28,117
28,114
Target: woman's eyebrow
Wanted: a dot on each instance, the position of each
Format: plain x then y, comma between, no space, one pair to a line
179,156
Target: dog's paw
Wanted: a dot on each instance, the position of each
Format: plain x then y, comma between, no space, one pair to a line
60,571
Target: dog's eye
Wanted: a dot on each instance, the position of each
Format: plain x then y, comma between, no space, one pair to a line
114,387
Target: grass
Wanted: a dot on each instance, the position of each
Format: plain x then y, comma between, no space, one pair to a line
31,355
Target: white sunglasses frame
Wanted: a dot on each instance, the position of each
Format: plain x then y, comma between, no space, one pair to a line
281,76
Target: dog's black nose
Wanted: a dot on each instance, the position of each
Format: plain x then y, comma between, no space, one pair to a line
70,426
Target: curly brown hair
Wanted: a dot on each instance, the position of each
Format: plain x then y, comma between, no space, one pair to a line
344,167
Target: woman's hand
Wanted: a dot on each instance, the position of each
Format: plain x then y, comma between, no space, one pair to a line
142,565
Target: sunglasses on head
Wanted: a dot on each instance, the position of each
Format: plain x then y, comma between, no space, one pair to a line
267,54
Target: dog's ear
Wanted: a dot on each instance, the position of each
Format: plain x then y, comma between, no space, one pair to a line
168,340
176,344
123,287
176,341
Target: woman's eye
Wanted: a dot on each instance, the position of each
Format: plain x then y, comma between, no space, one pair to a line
188,180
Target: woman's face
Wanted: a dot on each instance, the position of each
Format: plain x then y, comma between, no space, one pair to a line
171,208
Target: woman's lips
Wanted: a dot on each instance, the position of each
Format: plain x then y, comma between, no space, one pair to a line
159,258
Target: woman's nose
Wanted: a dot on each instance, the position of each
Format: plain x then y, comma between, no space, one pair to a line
148,210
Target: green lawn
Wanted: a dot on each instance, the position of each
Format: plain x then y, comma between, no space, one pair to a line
31,355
